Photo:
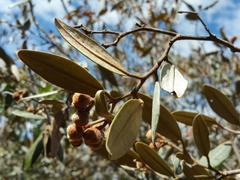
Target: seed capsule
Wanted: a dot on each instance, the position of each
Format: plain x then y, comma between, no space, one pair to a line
75,143
74,133
80,118
95,146
92,136
81,101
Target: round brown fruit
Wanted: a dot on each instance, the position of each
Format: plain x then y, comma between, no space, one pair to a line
92,136
74,132
80,118
81,101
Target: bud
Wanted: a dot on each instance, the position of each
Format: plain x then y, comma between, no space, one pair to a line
74,133
92,136
81,101
80,118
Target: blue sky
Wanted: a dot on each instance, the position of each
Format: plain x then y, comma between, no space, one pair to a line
224,14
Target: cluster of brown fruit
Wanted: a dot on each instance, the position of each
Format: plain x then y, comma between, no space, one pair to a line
81,130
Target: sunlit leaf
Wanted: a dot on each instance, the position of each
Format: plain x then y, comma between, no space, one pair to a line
124,128
167,125
60,71
152,159
40,95
221,105
186,117
155,110
218,155
200,133
101,105
89,47
33,153
172,80
27,115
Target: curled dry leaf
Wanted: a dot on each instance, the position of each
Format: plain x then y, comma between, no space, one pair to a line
172,80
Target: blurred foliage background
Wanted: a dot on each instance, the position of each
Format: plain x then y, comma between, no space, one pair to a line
137,52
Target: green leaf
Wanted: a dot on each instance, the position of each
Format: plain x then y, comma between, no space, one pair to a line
200,134
101,105
195,172
187,118
172,80
218,155
221,105
126,159
33,153
60,71
167,125
124,128
27,115
155,110
152,159
90,48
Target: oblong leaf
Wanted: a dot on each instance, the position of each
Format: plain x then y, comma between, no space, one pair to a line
90,48
172,80
27,115
60,71
152,159
124,128
221,105
101,105
218,155
126,159
196,172
200,134
33,153
155,110
167,125
186,117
